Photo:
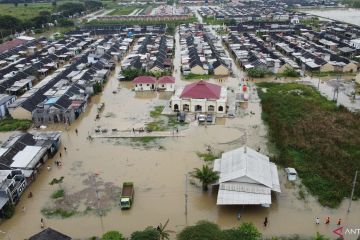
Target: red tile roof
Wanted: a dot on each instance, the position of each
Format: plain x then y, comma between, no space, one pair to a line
11,44
201,90
166,79
144,79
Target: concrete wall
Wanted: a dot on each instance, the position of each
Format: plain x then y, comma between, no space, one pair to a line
351,67
197,70
327,68
221,71
20,113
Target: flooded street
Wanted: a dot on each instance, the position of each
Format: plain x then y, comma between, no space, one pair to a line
159,173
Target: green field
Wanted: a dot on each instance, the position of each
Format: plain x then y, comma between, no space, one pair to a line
313,135
25,12
124,10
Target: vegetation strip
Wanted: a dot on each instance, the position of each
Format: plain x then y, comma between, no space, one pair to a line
314,135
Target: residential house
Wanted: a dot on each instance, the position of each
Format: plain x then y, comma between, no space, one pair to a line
144,83
5,101
166,83
50,234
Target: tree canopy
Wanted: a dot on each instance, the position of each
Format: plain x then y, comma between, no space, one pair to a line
112,235
150,233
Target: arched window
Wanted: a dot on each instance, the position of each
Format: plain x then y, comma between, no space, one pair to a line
211,108
198,108
220,108
176,107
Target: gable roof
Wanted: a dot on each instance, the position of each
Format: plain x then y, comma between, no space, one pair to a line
48,234
246,163
201,90
166,79
144,79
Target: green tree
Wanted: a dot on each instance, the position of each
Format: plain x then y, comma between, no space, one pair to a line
8,210
164,234
71,8
202,230
40,20
112,235
249,231
206,176
150,233
320,237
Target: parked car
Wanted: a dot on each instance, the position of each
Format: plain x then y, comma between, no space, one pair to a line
209,118
201,118
291,174
181,116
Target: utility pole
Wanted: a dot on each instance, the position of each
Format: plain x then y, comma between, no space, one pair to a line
186,199
352,191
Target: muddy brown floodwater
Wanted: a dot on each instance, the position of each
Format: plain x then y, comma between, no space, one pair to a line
158,175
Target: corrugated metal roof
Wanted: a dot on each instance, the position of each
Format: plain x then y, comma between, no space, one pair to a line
246,177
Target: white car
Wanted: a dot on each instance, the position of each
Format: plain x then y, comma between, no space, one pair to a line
201,118
291,174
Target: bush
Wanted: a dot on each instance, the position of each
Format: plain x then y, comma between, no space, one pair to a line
290,72
202,230
247,231
97,88
63,22
149,233
58,194
257,72
113,235
10,124
9,210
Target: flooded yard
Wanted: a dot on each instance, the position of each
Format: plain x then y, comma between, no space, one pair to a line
159,175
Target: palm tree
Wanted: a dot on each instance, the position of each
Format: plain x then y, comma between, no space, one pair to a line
163,233
206,176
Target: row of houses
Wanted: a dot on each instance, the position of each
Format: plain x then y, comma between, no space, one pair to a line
151,53
148,83
249,51
62,96
31,65
149,18
117,30
310,56
21,158
259,11
200,54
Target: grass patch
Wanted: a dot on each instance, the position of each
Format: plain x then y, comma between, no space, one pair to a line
318,138
9,124
158,125
162,123
213,21
25,12
326,74
191,76
145,140
58,212
157,111
58,194
208,156
124,10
